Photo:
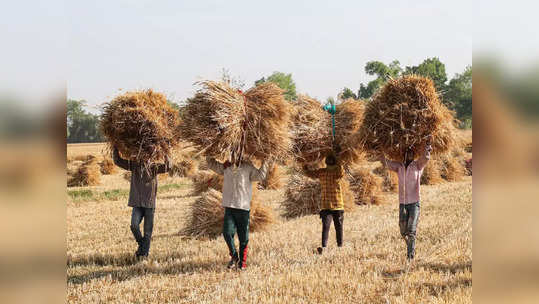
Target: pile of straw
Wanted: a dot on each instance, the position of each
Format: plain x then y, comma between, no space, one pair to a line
220,120
312,130
452,169
273,180
402,114
141,125
390,180
205,219
303,196
205,180
366,185
108,167
88,174
432,173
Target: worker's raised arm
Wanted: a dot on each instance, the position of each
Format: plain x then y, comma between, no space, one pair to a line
258,175
422,161
214,165
119,161
163,168
391,165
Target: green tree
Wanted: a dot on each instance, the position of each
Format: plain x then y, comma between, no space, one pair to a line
284,81
382,72
458,95
347,93
432,68
82,126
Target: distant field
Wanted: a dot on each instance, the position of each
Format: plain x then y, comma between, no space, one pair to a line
86,148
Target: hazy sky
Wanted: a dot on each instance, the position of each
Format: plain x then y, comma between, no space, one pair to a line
168,45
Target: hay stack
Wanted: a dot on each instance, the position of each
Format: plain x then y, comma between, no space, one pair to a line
402,114
273,179
141,125
206,216
88,174
432,173
183,164
312,130
390,180
366,185
108,167
205,180
218,117
452,168
303,196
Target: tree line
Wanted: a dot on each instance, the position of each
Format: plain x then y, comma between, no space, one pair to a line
456,93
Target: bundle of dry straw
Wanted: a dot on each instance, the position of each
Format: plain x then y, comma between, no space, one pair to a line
390,180
88,174
205,180
222,121
312,130
303,196
402,114
366,185
141,125
205,219
273,179
108,167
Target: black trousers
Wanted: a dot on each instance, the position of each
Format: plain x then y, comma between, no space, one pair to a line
137,215
327,216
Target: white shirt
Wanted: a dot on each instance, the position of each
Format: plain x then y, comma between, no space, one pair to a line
237,184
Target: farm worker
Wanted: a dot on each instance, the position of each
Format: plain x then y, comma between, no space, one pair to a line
142,193
332,203
409,174
237,194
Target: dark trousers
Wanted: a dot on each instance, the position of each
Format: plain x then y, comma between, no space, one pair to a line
327,216
237,220
137,215
408,218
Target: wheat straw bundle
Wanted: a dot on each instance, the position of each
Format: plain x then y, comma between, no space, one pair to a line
303,196
141,125
366,185
273,180
390,180
220,121
108,167
88,174
205,180
206,216
452,168
402,114
312,130
432,173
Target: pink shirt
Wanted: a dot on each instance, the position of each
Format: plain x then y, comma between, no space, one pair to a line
409,178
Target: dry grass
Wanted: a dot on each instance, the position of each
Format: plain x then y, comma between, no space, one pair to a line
390,180
432,174
402,115
282,268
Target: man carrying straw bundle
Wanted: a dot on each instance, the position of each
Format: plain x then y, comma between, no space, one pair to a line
409,174
142,193
332,203
237,195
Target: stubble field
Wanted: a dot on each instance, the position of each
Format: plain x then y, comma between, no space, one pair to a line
282,266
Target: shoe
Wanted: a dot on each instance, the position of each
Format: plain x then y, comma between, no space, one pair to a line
320,250
241,267
233,261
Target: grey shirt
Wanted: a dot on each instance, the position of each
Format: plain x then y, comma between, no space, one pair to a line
143,188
